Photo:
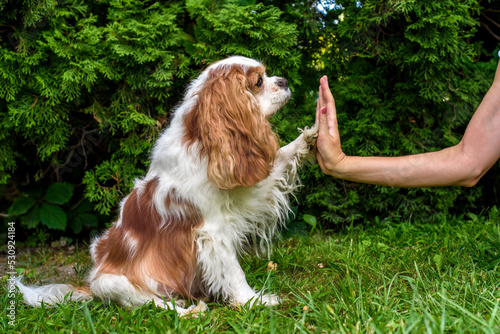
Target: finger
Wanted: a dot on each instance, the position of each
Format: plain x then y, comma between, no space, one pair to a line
321,95
320,102
326,94
323,127
329,102
318,107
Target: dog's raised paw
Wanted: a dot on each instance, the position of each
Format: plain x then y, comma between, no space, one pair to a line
310,135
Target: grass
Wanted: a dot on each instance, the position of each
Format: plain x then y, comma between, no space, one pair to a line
391,277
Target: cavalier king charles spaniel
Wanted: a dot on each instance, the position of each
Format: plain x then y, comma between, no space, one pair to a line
218,182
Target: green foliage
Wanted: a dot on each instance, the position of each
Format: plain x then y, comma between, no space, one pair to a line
59,193
33,207
377,277
404,82
310,220
87,86
53,209
253,31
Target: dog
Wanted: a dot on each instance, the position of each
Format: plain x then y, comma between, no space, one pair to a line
218,182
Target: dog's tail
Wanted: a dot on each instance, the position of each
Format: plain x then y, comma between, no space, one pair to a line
51,294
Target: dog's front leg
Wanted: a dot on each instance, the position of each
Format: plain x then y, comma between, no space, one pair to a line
222,274
242,293
293,155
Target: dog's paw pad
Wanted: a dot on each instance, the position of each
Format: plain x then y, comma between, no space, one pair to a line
195,310
310,135
270,300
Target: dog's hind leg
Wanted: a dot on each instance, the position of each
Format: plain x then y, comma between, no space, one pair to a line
120,290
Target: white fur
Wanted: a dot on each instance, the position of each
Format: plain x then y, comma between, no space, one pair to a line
50,294
231,218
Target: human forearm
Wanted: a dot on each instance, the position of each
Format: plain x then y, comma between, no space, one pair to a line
463,164
420,170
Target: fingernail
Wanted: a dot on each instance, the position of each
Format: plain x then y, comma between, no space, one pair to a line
323,110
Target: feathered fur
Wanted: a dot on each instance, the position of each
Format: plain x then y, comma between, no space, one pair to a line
217,180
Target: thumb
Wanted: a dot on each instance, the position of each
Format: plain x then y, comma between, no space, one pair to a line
328,112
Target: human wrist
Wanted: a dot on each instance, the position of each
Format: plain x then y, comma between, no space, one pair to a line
339,169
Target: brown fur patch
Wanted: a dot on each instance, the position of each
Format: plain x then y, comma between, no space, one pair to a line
253,76
84,289
164,246
233,133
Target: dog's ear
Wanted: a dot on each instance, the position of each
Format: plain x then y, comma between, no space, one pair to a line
233,133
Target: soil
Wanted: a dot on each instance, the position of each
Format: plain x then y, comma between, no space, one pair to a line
45,265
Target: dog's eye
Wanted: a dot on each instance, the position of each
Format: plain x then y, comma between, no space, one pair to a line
259,82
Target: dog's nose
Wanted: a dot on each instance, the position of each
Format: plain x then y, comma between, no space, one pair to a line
282,82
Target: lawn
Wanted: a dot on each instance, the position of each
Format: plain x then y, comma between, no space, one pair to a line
381,277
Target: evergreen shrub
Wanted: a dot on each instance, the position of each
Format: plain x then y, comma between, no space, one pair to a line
407,77
87,86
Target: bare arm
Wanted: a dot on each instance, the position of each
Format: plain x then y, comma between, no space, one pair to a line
463,164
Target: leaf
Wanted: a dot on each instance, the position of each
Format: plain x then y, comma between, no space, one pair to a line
311,220
53,216
21,206
438,260
88,219
31,219
84,206
75,224
294,228
382,246
20,271
83,219
59,193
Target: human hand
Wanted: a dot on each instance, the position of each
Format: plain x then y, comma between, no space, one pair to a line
329,151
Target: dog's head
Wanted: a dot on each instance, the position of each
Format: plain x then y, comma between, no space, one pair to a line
229,121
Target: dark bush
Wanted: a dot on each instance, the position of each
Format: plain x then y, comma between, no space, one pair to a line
87,86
